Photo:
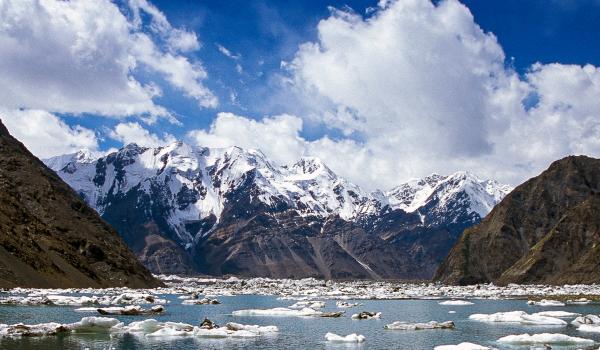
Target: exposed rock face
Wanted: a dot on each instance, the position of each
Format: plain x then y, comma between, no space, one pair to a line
186,209
49,237
545,231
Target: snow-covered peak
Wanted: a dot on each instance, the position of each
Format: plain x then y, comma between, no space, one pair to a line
82,156
482,195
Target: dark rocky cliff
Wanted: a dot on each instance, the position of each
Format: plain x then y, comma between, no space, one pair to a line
545,231
49,237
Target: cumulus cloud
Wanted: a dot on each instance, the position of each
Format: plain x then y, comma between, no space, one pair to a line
46,135
225,51
133,132
418,87
82,57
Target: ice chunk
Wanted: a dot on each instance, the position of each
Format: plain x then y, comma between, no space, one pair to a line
252,328
592,328
558,314
544,338
462,346
344,304
406,326
511,316
366,315
587,319
350,338
94,324
546,302
456,302
278,311
542,320
308,304
37,330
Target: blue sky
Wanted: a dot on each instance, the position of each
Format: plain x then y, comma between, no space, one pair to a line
403,88
264,33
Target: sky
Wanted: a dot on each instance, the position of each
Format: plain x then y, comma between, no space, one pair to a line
382,91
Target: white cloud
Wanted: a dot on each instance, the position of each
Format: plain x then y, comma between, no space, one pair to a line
419,88
81,57
133,132
278,137
46,135
225,51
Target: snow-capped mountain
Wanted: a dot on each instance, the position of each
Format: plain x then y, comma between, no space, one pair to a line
170,202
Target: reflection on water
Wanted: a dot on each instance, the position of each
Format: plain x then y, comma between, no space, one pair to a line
298,332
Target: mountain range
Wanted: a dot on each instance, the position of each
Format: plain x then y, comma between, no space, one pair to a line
186,209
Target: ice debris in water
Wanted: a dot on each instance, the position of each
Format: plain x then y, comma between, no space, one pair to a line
406,326
546,302
203,301
130,310
366,315
518,317
149,328
36,297
587,319
557,314
455,302
278,311
291,289
309,304
462,346
345,304
544,338
350,338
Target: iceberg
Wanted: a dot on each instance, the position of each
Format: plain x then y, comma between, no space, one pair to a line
518,317
462,346
278,311
366,315
350,338
406,326
545,338
546,302
456,302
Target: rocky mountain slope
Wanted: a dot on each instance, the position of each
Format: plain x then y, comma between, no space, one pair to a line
185,209
546,231
49,237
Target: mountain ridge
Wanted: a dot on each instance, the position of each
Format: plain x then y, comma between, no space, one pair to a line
195,197
542,232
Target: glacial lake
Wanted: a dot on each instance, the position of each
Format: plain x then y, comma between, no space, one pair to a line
302,332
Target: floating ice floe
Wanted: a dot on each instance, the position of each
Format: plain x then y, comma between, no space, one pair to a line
590,328
546,302
345,304
557,314
350,338
366,315
308,304
130,310
462,346
149,328
456,302
587,319
518,317
203,301
580,301
406,326
278,311
544,338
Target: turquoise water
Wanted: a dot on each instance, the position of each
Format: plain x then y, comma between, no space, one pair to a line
300,333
